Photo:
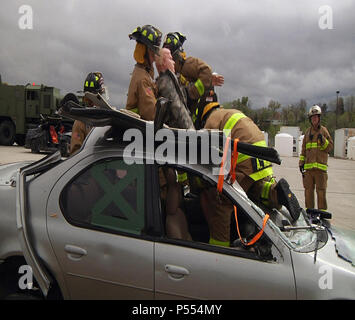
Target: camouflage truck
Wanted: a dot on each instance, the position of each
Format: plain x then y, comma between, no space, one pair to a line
21,107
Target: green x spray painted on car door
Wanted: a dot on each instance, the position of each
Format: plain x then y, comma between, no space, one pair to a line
132,220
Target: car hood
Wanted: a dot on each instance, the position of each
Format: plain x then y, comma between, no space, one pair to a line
344,243
8,172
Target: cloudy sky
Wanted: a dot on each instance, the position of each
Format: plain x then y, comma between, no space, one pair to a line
273,49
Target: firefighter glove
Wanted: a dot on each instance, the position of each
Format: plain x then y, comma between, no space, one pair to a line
302,168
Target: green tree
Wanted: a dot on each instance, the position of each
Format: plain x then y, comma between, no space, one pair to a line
350,103
324,108
242,104
340,106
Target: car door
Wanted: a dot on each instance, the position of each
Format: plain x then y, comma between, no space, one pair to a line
198,270
96,224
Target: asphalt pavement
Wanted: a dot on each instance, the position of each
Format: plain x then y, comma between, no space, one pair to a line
340,192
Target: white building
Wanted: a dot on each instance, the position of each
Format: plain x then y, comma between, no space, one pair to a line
341,141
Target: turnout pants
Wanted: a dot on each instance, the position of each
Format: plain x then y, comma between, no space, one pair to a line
315,178
218,208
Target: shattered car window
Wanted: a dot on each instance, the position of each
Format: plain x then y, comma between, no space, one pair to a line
303,239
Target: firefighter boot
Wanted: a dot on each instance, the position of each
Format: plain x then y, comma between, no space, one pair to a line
286,197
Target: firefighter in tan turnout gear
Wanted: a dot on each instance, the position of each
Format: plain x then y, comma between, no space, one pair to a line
193,73
142,90
317,143
255,176
94,83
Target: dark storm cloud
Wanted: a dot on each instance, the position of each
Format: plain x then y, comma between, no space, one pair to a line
265,49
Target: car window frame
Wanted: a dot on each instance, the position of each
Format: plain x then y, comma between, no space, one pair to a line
200,245
149,230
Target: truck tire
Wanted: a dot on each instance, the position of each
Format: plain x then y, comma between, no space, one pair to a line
7,133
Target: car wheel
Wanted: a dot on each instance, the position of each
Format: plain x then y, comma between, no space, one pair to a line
7,133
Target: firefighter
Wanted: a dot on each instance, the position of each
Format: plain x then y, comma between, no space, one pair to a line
193,73
94,83
317,143
255,176
142,90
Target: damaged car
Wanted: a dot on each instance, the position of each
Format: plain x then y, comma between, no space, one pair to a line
92,226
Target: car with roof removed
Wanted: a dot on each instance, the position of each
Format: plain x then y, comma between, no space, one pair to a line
92,226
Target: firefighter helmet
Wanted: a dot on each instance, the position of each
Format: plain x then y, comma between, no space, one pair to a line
94,83
207,103
174,41
315,110
148,35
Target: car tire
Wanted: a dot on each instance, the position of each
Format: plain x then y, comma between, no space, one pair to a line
7,133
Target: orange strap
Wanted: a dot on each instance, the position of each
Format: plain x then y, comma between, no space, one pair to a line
233,177
257,236
234,160
221,173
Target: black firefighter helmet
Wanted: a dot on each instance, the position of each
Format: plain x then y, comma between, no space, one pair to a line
148,35
174,41
206,105
94,83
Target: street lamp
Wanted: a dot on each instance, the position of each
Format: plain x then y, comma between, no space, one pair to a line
336,111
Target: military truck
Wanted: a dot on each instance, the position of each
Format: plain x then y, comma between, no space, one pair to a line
21,107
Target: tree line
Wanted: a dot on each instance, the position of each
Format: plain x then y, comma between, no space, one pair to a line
336,114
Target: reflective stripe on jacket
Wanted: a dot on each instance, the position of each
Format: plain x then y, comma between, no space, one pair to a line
314,154
196,72
243,128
